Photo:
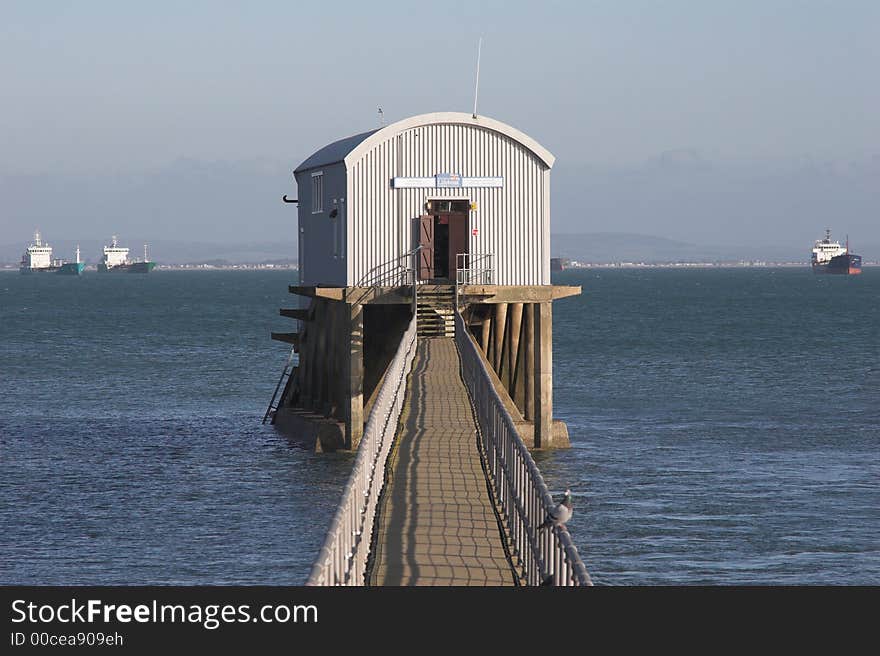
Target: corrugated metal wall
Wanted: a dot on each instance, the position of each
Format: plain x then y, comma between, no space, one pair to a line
512,222
321,254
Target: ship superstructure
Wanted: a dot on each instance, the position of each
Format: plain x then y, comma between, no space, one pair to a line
37,258
116,259
830,257
114,254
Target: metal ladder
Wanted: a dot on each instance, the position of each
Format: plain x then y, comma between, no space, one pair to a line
285,374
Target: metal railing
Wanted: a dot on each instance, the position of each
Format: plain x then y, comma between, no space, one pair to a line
474,269
343,558
399,271
543,556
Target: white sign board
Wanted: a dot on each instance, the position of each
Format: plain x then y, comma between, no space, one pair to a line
412,183
445,181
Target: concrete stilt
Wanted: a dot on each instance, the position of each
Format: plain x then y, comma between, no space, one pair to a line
321,373
500,326
515,323
354,416
518,393
330,348
484,337
340,378
529,361
543,375
309,358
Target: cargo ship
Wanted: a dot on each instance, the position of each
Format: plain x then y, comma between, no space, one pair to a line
37,258
116,260
830,257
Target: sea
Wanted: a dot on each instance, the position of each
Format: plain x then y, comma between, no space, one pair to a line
725,429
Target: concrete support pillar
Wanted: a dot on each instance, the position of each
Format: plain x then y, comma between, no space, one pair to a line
500,327
529,361
328,391
320,398
308,386
340,364
354,416
515,323
484,337
543,374
518,393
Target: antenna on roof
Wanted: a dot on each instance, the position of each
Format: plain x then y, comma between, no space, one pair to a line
381,118
477,82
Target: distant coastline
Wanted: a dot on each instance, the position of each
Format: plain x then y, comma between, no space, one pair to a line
693,265
13,268
92,268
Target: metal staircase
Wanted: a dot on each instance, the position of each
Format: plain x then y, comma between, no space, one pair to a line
435,310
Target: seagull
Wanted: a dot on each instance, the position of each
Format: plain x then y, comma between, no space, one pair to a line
560,513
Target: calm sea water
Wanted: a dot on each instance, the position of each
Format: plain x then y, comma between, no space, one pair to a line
724,428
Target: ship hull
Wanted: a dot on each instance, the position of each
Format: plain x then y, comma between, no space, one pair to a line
66,269
846,265
26,270
134,267
71,269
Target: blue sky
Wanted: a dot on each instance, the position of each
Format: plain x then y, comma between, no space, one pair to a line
118,93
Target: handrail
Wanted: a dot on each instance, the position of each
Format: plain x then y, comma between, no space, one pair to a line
542,556
392,273
343,558
473,269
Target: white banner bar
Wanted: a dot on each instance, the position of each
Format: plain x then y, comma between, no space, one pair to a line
445,182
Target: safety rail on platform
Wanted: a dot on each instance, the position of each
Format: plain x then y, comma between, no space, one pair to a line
399,271
343,558
543,556
473,269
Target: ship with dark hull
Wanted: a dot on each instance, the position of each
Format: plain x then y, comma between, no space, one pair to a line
830,257
37,258
115,260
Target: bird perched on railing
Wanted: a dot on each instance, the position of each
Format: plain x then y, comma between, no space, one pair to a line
560,513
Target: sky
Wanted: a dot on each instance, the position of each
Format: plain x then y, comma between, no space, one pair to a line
717,122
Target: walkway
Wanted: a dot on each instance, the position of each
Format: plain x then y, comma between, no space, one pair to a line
436,525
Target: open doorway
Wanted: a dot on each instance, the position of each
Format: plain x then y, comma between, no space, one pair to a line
443,234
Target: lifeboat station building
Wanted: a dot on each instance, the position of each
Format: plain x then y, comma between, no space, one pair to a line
435,214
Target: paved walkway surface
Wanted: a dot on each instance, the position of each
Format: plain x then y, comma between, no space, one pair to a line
436,525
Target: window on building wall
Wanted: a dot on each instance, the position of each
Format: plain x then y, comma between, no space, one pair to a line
334,220
318,192
438,205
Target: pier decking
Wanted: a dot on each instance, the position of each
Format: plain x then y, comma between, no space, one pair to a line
436,524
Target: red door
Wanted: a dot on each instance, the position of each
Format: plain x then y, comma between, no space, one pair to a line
458,240
426,241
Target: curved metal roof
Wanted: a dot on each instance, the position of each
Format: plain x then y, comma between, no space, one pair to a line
441,118
353,148
334,152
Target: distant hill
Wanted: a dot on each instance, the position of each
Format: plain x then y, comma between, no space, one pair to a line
605,247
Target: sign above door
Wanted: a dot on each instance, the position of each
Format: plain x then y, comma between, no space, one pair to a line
446,181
